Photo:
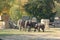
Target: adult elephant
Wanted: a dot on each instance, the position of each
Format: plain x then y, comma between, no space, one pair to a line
29,24
21,24
37,26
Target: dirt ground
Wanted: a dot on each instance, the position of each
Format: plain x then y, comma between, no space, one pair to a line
31,37
52,34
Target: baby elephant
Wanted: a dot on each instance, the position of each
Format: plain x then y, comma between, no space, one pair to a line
39,26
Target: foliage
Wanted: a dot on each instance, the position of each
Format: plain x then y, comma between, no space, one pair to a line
40,8
57,1
15,14
5,4
58,9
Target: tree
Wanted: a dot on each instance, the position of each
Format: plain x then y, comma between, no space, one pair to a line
41,8
5,5
15,14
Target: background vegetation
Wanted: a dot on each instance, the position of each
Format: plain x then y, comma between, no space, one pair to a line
44,9
40,9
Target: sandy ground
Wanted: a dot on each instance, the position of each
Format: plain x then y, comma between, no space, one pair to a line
55,35
31,37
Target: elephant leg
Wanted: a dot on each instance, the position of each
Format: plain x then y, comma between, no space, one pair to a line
25,28
42,29
38,29
20,28
29,29
35,29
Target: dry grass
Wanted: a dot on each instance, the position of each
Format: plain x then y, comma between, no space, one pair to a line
15,31
49,33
